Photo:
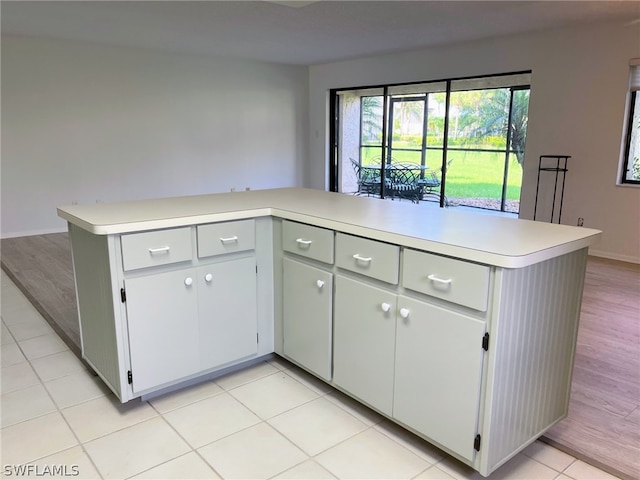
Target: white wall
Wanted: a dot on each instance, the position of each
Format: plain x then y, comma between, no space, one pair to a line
578,95
86,123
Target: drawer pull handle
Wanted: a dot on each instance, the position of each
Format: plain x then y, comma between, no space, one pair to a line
385,307
208,277
154,251
444,281
302,243
404,312
359,258
188,281
233,239
320,283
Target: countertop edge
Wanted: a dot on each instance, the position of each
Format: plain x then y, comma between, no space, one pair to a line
454,251
420,243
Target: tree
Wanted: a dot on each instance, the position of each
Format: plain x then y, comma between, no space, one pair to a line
519,121
407,114
485,113
371,114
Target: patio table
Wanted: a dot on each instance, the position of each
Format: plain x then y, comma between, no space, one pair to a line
401,180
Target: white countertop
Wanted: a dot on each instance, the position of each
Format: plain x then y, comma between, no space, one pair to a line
488,239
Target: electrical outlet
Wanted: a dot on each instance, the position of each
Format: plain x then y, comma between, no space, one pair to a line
580,221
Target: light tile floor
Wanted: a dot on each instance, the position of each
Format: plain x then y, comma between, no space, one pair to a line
270,420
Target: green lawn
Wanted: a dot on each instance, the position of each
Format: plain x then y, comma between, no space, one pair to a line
480,175
470,174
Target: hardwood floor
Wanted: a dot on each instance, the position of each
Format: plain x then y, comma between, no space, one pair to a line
603,426
41,266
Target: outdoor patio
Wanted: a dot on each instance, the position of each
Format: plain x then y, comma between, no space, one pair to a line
480,205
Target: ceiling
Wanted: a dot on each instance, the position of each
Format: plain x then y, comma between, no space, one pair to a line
302,33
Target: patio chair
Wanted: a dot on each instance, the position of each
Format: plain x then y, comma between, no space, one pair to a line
368,179
405,181
432,182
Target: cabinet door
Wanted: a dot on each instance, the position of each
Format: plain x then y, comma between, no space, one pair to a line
438,374
307,316
162,313
364,342
227,312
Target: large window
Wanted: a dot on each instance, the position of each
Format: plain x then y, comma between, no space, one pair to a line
631,145
463,139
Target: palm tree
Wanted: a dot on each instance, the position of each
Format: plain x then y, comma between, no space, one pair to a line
519,121
487,114
371,114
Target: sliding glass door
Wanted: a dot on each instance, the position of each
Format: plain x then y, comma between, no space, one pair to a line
463,139
407,129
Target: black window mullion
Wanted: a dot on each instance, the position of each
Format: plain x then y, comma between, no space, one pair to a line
425,126
392,111
627,148
503,198
385,132
333,140
445,145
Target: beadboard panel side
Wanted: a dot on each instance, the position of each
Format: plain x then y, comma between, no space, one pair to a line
94,287
533,340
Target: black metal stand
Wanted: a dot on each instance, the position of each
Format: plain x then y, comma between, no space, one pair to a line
557,169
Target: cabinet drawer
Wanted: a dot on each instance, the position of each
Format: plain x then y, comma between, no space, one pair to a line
368,257
308,241
453,280
226,237
159,247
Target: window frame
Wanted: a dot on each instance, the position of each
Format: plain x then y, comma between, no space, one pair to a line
627,134
627,141
508,80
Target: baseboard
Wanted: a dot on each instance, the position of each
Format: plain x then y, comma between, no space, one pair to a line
30,233
614,256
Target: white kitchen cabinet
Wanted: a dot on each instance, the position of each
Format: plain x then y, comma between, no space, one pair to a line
453,272
456,281
190,320
418,363
307,319
308,241
438,373
364,342
161,307
156,248
368,257
162,312
227,316
226,237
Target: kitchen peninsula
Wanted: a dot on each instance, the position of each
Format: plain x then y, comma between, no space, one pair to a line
458,326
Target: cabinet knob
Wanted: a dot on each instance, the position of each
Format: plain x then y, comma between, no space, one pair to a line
188,281
404,312
208,277
320,283
385,307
